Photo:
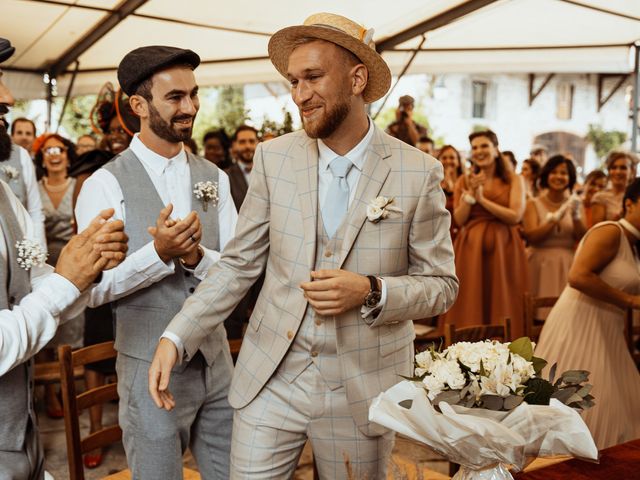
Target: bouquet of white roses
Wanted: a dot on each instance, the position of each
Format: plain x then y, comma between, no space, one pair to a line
484,405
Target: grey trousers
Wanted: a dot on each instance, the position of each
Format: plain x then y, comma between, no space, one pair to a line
27,464
155,440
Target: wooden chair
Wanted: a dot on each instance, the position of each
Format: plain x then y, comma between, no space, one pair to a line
74,402
477,333
632,332
532,325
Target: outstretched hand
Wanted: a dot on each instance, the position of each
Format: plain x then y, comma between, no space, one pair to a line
164,360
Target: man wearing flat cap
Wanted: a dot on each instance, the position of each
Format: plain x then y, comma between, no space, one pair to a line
351,228
33,301
179,214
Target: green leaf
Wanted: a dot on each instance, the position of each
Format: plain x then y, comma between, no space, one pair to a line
406,403
584,391
538,391
575,376
512,401
538,364
482,372
450,396
492,402
523,347
552,372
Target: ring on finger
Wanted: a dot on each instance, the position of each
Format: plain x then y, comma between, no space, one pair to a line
193,239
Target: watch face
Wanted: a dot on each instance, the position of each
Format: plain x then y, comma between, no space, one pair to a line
373,298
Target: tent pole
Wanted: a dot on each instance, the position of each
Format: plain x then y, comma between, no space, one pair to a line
404,70
636,99
49,84
68,96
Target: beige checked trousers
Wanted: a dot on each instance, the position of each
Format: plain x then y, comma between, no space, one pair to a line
269,433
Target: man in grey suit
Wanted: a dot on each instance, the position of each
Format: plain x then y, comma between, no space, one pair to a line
179,214
351,227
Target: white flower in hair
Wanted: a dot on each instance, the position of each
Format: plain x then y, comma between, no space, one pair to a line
380,208
10,172
206,192
30,254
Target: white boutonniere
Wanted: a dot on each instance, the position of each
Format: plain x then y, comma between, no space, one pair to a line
30,254
10,172
206,192
380,208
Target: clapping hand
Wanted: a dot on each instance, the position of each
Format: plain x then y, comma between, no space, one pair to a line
101,246
176,238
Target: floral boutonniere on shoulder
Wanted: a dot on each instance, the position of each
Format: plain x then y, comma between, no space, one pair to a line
206,192
380,208
10,172
30,254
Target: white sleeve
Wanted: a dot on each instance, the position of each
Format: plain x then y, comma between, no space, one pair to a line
34,202
227,218
141,268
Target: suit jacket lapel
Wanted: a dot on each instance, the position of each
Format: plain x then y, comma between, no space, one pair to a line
305,159
373,175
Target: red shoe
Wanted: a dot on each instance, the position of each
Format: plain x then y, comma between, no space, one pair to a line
92,460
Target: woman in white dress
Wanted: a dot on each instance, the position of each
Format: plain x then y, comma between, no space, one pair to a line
585,329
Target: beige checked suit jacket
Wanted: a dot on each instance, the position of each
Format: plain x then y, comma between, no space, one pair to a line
276,230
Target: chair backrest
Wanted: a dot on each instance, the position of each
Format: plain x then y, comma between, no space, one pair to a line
532,325
74,402
477,333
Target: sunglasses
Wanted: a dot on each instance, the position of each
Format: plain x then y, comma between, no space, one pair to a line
54,150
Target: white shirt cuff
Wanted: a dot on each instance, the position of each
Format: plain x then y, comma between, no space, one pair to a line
367,312
206,262
177,342
147,261
57,293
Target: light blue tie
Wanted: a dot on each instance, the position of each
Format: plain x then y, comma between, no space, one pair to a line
337,200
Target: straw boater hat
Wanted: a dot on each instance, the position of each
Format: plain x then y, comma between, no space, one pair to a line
343,32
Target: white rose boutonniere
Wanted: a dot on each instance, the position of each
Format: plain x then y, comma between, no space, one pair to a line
380,208
30,254
206,192
11,173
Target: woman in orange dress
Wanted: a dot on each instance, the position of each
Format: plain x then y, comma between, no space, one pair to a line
607,205
490,257
453,169
585,329
595,182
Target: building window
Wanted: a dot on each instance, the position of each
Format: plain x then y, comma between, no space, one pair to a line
564,101
479,92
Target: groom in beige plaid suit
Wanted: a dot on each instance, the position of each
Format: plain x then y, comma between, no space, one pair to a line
346,270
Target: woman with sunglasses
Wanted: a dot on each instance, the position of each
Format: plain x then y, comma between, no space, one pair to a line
54,156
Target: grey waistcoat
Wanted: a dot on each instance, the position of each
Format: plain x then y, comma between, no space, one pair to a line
15,385
142,317
17,185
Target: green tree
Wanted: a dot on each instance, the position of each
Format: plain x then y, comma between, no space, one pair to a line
604,141
231,111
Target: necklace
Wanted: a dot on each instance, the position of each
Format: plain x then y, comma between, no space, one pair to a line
630,228
56,188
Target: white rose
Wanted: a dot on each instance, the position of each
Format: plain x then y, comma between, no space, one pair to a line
374,213
434,386
424,360
380,202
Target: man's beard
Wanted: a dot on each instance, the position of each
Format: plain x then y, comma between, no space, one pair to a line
5,142
327,125
166,130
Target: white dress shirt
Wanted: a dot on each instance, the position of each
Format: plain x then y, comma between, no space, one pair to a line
34,202
357,155
172,180
28,326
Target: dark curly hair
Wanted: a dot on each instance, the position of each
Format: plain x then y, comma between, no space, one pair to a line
551,165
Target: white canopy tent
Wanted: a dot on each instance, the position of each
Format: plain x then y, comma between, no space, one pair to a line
89,37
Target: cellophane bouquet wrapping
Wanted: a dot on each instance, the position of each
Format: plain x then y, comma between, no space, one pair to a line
484,406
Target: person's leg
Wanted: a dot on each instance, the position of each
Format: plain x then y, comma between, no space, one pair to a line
211,431
269,433
155,439
336,440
